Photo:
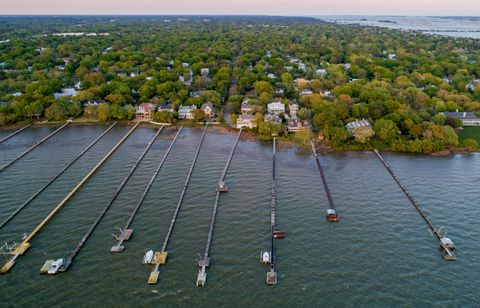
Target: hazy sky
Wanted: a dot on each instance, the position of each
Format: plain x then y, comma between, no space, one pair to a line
241,7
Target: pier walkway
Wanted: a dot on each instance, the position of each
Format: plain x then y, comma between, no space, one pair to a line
89,232
14,133
160,257
25,244
33,147
332,212
205,260
126,232
34,196
445,243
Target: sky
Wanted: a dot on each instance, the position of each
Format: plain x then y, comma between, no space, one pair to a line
242,7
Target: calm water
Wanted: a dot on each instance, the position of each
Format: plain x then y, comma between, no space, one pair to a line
448,26
380,254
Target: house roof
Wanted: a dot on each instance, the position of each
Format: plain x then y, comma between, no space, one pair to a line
461,115
358,123
208,104
246,117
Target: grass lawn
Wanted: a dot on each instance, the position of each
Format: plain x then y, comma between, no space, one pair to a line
472,132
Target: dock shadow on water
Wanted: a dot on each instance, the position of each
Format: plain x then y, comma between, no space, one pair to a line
380,253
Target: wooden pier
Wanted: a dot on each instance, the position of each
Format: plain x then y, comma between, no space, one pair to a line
14,133
331,212
68,261
204,262
25,244
160,257
34,196
126,232
33,147
446,244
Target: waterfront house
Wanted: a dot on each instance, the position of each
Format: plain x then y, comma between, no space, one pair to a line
246,120
186,112
208,109
66,92
350,126
166,107
294,125
276,108
273,118
145,111
467,118
247,108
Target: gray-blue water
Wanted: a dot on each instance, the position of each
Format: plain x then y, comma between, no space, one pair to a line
379,254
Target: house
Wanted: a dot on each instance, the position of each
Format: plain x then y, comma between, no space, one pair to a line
306,92
279,91
392,56
247,109
273,118
321,72
66,92
186,112
205,72
467,118
166,107
293,108
145,111
301,82
294,125
17,94
246,120
208,109
271,76
276,108
358,123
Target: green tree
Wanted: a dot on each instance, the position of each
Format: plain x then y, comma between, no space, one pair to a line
363,134
470,144
103,112
386,130
268,128
164,116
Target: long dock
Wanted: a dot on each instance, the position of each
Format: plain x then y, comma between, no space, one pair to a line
126,232
33,147
25,244
445,243
90,230
205,260
34,196
14,133
332,212
160,257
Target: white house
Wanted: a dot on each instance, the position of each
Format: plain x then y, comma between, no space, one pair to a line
392,56
246,120
293,108
276,108
306,92
467,118
357,123
186,112
66,92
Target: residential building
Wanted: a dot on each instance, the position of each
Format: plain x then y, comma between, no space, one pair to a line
247,109
276,108
186,112
306,92
66,92
166,107
294,125
358,123
273,118
279,91
145,111
246,120
467,118
321,72
392,56
205,72
208,109
293,108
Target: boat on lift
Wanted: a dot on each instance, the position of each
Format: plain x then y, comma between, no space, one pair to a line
332,215
265,257
55,267
148,257
448,249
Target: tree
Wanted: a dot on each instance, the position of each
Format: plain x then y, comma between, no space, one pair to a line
336,136
164,116
386,130
91,111
198,114
103,112
56,112
363,134
439,119
303,137
304,114
470,144
268,128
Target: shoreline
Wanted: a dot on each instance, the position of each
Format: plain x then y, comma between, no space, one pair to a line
246,135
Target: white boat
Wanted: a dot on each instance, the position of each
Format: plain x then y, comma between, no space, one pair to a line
55,267
148,257
265,257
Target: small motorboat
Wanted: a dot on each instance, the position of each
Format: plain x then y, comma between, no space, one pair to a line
55,267
265,257
448,249
148,257
222,187
332,215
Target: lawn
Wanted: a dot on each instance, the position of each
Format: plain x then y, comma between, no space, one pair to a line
472,132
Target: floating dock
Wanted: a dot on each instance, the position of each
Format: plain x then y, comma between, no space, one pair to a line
34,147
270,257
126,232
331,212
68,261
14,133
25,244
204,262
160,257
446,244
34,196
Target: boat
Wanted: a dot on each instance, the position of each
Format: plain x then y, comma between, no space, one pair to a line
265,257
222,187
55,267
448,249
148,257
332,215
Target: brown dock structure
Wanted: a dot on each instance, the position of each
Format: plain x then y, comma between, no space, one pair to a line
332,215
447,246
126,232
204,262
